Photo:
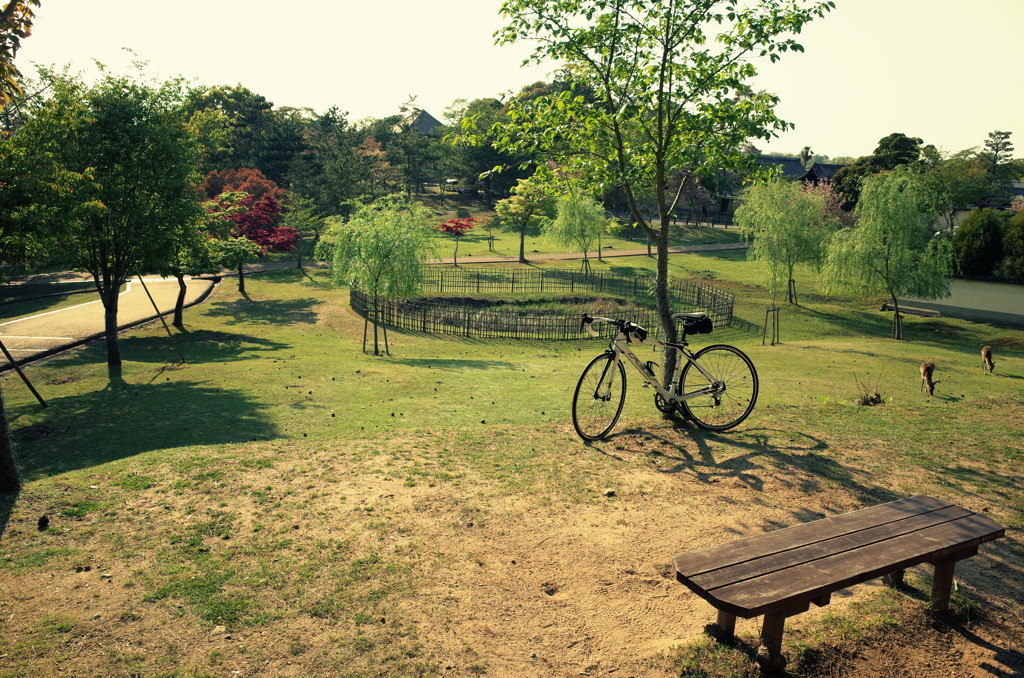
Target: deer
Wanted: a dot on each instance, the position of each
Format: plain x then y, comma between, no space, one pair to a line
927,369
987,364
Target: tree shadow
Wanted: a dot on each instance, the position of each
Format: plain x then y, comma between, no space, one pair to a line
265,311
203,346
293,275
816,471
132,419
453,364
7,502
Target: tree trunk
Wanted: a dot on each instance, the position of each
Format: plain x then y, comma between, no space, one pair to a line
897,320
110,298
10,477
455,257
241,278
522,246
179,304
668,324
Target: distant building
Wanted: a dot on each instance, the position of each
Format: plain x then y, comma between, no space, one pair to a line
791,169
821,172
419,121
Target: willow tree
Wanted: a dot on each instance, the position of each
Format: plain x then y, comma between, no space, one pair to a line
579,221
655,88
892,250
381,251
788,225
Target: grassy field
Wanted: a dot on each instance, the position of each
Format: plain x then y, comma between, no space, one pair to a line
284,504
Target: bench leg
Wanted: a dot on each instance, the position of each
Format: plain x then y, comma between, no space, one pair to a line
769,655
942,585
724,629
894,580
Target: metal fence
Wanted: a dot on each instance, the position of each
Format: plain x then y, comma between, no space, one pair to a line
488,320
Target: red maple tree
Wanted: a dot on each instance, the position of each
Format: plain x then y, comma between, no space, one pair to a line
241,180
456,228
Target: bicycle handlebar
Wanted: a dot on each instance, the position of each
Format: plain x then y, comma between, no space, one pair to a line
624,326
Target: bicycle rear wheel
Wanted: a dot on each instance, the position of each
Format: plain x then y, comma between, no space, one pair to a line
733,387
599,397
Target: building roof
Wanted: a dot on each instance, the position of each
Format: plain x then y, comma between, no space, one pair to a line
821,171
791,168
419,121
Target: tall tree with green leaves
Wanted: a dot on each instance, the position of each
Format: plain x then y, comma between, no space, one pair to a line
525,210
892,250
788,225
654,86
381,251
133,139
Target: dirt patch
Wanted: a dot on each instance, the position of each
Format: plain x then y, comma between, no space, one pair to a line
379,560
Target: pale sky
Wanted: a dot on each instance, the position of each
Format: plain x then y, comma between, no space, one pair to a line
948,71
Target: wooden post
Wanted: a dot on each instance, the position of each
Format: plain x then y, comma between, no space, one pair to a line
894,580
942,585
24,378
769,655
161,316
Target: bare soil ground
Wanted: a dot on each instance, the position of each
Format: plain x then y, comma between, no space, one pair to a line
471,579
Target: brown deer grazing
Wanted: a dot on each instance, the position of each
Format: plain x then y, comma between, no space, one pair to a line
927,369
987,363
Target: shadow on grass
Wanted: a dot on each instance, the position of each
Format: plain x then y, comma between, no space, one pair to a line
131,419
265,311
7,502
454,363
295,275
204,346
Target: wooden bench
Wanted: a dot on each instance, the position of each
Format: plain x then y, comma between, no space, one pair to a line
780,573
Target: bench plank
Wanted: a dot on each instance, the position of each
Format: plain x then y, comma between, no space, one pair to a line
773,562
807,581
742,549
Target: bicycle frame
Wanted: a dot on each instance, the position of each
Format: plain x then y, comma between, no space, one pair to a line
620,346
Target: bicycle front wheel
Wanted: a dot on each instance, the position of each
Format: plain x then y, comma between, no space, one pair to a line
600,395
731,390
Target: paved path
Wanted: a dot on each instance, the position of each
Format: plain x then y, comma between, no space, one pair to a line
47,333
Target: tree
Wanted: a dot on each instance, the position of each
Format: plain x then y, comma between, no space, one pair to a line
381,251
331,169
253,219
15,24
892,151
978,243
954,184
16,17
892,249
788,224
242,180
579,221
456,228
654,86
133,140
1012,266
527,208
997,159
300,215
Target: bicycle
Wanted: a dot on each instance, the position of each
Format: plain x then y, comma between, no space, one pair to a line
716,387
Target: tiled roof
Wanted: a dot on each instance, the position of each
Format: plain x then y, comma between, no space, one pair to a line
791,168
821,170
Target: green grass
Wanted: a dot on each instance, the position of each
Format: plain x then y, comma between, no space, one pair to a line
283,482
